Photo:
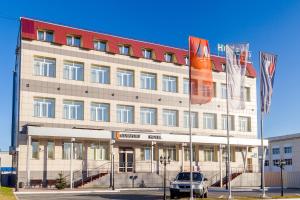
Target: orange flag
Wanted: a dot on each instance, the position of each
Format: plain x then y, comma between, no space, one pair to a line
200,71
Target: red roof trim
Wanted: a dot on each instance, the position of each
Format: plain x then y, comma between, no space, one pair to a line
29,29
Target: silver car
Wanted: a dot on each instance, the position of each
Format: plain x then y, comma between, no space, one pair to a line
181,185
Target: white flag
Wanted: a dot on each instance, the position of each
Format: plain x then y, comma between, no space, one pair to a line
236,63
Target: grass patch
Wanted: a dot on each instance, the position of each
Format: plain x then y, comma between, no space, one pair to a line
6,193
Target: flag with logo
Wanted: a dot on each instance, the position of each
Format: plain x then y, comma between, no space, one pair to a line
236,63
200,71
267,75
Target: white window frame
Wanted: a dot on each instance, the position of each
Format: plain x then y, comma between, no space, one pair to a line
170,83
43,106
169,57
123,78
42,65
170,118
148,116
73,37
288,147
186,86
209,121
208,154
148,80
147,53
223,91
244,124
45,32
98,43
123,114
100,74
100,109
194,119
70,105
231,122
122,50
73,68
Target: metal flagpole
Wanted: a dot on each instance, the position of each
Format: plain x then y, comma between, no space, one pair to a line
190,127
228,143
262,138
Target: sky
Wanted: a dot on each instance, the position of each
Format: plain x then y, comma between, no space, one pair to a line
268,25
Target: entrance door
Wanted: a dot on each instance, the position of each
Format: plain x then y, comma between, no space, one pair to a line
126,160
250,166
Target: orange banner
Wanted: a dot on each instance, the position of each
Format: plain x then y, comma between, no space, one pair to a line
200,71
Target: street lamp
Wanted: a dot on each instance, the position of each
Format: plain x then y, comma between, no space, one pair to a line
164,161
112,173
282,163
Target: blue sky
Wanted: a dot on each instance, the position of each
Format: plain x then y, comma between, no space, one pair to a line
271,26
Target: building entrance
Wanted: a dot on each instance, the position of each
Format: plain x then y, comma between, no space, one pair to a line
126,160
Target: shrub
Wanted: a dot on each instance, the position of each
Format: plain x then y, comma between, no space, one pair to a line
61,182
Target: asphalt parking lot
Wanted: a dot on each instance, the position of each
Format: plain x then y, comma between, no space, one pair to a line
147,195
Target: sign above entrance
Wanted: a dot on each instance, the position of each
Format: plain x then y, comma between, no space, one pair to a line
136,136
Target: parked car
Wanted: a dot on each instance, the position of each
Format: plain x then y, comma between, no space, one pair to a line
181,185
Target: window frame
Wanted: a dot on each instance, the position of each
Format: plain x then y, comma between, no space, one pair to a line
71,105
166,117
45,32
39,63
103,108
148,79
170,83
145,112
41,102
206,123
98,44
123,110
73,40
100,71
71,67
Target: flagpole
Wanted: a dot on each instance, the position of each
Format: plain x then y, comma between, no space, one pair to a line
262,138
228,143
190,127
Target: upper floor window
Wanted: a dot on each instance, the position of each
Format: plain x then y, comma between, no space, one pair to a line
224,67
44,107
209,121
125,114
276,162
275,150
73,110
170,118
267,163
125,78
223,91
168,57
100,74
169,83
186,86
44,66
45,36
100,112
100,45
288,161
147,53
124,49
148,116
287,150
148,81
244,124
73,71
186,60
230,122
194,119
73,41
247,93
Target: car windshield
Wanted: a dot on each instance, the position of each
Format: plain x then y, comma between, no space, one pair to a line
186,176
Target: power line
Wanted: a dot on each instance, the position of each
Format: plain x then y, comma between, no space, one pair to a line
9,18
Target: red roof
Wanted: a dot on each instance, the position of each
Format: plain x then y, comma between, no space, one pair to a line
29,29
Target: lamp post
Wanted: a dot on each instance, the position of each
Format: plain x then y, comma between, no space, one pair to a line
112,173
281,165
71,162
164,161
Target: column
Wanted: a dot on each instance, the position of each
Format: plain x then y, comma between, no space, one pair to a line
182,156
221,164
152,152
28,159
71,162
246,160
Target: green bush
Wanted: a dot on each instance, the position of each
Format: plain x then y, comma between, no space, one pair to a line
61,182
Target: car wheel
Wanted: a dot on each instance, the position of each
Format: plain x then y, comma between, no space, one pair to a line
172,195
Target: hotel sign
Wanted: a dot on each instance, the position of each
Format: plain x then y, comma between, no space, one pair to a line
136,136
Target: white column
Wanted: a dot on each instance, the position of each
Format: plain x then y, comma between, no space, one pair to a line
71,162
28,160
221,164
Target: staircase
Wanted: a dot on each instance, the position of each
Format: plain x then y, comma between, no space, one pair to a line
224,179
81,178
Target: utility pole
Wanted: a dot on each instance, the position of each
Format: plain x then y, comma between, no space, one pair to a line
164,160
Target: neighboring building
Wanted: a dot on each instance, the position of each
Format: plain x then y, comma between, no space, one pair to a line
287,148
6,168
104,94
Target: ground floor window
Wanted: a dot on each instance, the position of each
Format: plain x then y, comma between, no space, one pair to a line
35,149
67,150
170,152
187,153
50,150
209,154
146,153
77,151
98,152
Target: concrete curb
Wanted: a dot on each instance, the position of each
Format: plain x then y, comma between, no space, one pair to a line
68,192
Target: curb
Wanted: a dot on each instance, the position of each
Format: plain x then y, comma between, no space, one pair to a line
69,192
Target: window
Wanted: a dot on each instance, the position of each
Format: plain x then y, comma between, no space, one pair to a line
186,85
146,153
125,78
187,153
276,162
148,116
73,110
73,71
288,161
100,112
67,150
224,67
124,49
169,83
78,151
44,107
170,152
287,150
276,151
232,154
209,154
230,122
125,114
170,117
267,163
194,119
147,53
35,149
186,59
46,36
247,94
98,152
100,74
100,45
223,91
209,121
168,57
50,150
267,152
74,41
148,81
44,67
244,124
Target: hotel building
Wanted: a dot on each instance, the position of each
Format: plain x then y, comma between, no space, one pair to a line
104,95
